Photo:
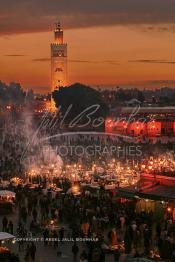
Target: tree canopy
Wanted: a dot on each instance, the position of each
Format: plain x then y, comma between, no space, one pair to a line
80,104
11,94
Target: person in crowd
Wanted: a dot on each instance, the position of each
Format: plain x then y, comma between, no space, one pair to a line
10,227
61,234
33,251
4,223
75,251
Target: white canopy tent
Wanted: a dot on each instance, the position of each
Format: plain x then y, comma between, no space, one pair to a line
6,193
5,236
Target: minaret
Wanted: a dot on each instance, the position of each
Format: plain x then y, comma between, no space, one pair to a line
58,60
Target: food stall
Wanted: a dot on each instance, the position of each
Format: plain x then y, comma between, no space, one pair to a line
7,199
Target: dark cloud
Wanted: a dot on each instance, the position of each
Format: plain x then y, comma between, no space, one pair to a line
20,16
71,61
112,62
152,61
14,55
159,28
81,61
44,59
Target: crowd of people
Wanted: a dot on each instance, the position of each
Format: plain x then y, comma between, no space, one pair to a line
111,226
99,223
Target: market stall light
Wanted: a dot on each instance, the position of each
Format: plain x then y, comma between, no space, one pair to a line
169,209
52,222
143,166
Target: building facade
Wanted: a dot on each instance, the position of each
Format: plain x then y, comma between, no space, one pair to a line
148,122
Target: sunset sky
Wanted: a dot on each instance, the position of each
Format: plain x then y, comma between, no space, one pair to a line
110,42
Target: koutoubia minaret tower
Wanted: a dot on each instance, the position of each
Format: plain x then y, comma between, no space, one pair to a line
58,60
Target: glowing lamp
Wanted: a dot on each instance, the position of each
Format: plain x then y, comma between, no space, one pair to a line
75,189
109,121
169,209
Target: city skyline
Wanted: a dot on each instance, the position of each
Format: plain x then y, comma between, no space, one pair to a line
125,45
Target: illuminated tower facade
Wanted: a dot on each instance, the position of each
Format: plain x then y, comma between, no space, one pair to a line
58,60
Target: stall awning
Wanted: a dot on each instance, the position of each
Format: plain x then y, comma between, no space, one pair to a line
127,192
155,192
158,192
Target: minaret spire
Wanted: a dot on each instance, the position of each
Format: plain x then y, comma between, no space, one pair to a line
58,59
58,25
58,33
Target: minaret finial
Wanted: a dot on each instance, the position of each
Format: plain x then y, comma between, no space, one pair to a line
58,25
